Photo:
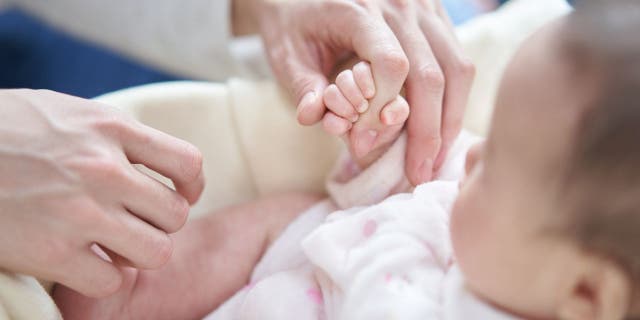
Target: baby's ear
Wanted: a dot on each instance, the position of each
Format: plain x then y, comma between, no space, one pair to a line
602,292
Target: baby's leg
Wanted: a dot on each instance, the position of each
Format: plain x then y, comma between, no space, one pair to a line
213,258
348,101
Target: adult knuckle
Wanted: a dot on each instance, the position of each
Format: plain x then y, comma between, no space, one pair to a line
395,63
432,75
109,123
106,168
465,68
97,168
159,249
179,214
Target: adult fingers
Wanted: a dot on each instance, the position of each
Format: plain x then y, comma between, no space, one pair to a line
441,11
425,90
91,275
307,85
156,203
335,101
297,65
136,241
171,157
360,27
459,73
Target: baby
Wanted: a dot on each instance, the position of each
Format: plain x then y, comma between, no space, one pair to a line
544,226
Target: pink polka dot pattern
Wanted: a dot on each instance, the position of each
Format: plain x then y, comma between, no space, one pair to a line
369,228
315,295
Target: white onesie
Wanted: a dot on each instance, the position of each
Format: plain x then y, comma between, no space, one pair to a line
372,260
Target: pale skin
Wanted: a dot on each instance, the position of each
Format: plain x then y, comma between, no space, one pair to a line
214,256
86,150
505,224
408,43
68,182
347,99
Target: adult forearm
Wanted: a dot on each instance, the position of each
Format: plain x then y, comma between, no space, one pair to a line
188,37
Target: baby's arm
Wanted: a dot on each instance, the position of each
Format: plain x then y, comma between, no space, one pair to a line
213,258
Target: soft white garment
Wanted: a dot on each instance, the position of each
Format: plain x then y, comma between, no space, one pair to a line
375,260
188,37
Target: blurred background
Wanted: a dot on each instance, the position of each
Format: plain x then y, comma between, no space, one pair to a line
34,55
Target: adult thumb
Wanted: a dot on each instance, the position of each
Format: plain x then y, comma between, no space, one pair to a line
308,89
305,82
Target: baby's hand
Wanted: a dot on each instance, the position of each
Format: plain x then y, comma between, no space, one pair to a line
348,100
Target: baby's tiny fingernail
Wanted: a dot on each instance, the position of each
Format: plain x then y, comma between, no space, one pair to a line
369,92
362,108
355,117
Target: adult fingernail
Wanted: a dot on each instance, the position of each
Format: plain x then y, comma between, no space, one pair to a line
365,142
362,108
307,100
426,171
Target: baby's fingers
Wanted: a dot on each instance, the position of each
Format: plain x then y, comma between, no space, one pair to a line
335,125
349,88
338,104
364,78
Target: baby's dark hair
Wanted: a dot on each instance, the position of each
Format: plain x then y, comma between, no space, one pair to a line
601,41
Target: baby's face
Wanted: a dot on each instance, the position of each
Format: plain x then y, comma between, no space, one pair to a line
501,220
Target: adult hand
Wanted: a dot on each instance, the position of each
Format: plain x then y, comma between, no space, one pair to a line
415,38
68,183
